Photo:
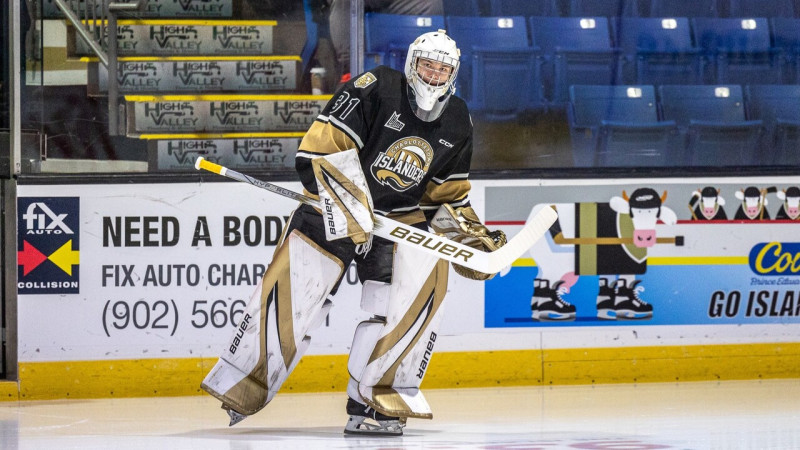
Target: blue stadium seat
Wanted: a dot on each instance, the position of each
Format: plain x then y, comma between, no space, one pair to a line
387,37
738,50
712,120
619,126
684,8
498,74
462,8
761,8
657,51
778,106
786,37
573,50
604,8
524,8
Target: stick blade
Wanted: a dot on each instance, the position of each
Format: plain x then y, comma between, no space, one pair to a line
535,227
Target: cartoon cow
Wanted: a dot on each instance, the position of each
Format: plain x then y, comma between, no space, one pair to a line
754,203
599,239
790,209
710,205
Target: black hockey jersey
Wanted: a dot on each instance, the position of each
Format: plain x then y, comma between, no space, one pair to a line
409,164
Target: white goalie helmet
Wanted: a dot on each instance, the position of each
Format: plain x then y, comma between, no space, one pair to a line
431,69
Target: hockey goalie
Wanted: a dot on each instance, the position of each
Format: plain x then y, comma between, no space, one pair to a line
392,144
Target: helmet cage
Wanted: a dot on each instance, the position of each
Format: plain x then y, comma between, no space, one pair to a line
439,78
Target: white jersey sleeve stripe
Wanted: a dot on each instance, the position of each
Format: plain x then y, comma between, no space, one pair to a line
340,125
455,176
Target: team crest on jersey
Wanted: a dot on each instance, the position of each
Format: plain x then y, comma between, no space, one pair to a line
394,122
403,164
365,80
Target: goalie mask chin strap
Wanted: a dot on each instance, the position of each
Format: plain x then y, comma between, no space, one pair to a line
427,116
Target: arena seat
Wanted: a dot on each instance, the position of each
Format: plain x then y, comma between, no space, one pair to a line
786,37
657,51
712,121
462,8
524,8
387,37
738,50
761,8
573,50
605,8
778,106
684,8
498,76
619,126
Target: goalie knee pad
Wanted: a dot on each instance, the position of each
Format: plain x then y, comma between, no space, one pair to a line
391,351
271,336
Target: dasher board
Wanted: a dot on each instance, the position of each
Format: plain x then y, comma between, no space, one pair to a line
176,75
154,8
197,114
238,154
185,38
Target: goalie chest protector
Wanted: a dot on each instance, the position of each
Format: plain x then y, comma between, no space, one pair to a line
401,154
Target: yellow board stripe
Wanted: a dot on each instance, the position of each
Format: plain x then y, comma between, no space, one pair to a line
198,58
671,261
328,373
221,97
181,22
698,260
293,134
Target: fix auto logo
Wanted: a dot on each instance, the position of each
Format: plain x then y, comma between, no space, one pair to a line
48,245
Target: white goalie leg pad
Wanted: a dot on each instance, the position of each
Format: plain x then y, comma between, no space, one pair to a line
344,196
374,300
271,336
390,355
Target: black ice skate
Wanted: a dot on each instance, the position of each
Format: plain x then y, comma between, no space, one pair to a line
235,416
632,307
547,303
365,420
606,299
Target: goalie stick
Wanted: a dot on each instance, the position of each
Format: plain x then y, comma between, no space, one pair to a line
454,252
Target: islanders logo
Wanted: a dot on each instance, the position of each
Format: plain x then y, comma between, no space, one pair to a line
403,164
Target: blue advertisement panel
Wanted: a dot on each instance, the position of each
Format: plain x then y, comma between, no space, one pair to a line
650,253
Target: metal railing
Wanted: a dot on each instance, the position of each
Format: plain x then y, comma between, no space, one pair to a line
95,21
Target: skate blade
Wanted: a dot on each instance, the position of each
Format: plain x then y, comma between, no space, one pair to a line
234,416
607,314
357,425
634,316
553,317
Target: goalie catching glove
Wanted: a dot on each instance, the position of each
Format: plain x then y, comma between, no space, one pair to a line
463,225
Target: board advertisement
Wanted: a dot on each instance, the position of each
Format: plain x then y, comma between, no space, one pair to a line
126,271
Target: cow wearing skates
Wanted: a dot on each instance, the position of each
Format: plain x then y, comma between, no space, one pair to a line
599,239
